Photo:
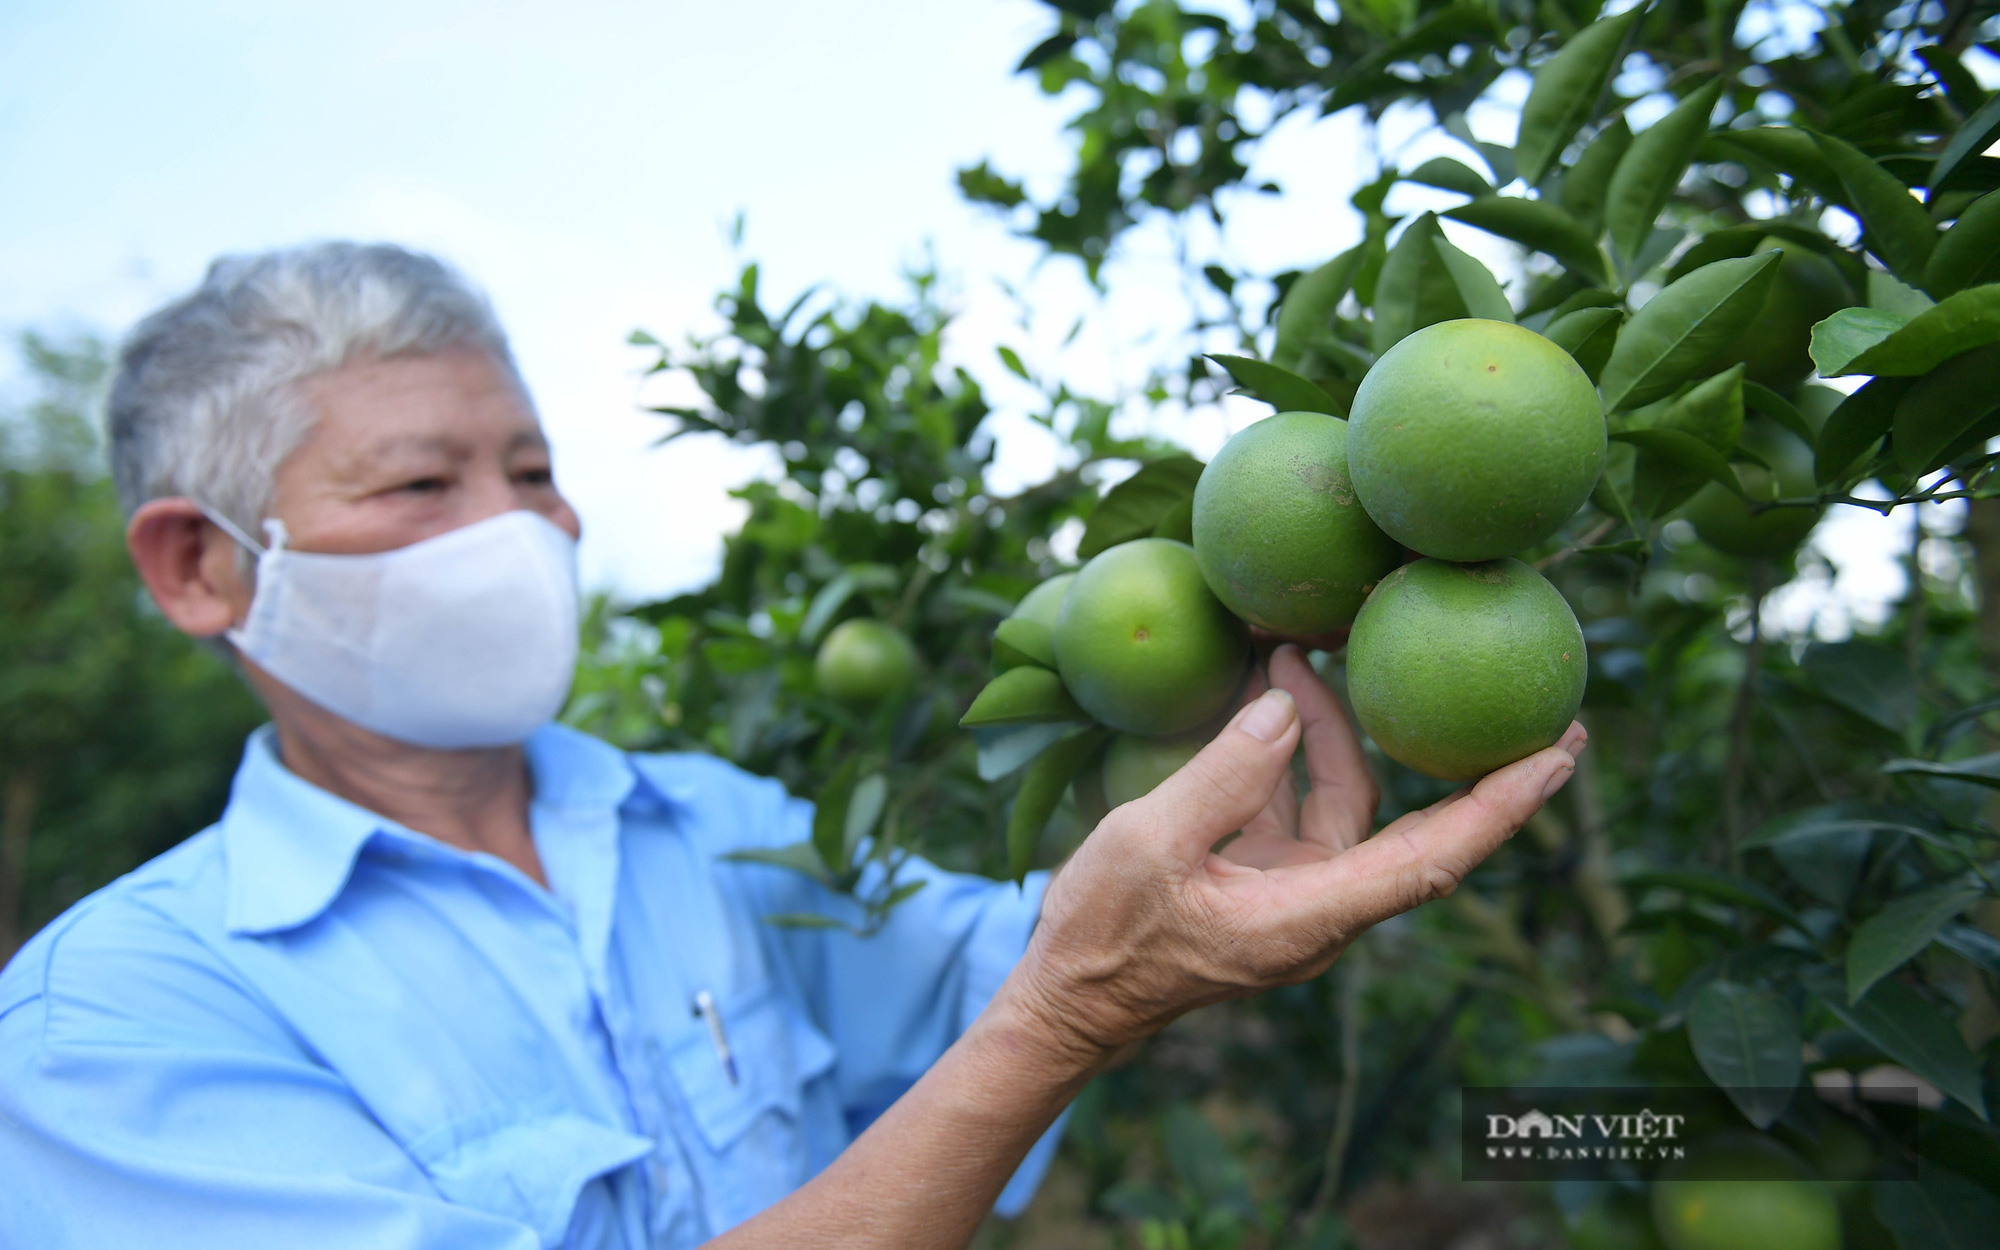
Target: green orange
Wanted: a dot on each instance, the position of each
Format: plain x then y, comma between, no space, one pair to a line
1736,1192
1457,669
1727,524
1474,439
1278,531
1143,645
864,661
1135,766
1773,348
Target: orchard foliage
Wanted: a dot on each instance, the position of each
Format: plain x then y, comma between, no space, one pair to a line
1776,864
118,735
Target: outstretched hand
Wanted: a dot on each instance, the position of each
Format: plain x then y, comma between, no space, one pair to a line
1150,918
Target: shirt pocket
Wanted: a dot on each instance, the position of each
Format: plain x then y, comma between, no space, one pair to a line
523,1163
751,1125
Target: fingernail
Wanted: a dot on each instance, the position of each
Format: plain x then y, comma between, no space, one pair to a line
1574,739
1269,716
1557,779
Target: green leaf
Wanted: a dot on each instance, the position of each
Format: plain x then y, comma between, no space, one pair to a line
1893,936
1942,406
864,812
1966,253
1281,388
1866,678
1178,523
1652,167
1979,133
1712,411
1477,287
1786,149
1891,294
1586,183
1957,323
1898,229
1041,791
1855,426
1727,887
1538,224
1133,507
1566,90
1416,289
1606,496
1680,331
1980,770
1018,640
1005,749
830,806
1021,696
1449,175
833,596
800,857
1938,1210
1960,86
1012,359
1202,1162
1765,402
1587,335
1309,307
1825,848
1849,333
1747,1041
1905,1026
1685,453
1972,944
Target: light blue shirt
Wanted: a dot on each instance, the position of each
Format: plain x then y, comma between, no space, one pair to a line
308,1025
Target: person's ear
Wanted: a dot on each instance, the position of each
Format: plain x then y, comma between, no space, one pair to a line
189,565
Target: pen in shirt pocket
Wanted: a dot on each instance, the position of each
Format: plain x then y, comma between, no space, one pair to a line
704,1006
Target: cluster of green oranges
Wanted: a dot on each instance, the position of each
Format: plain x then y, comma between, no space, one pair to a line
1468,442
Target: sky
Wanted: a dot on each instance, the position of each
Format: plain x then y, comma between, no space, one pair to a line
583,162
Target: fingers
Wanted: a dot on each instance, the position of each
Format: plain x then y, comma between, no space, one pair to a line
1220,790
1340,808
1425,856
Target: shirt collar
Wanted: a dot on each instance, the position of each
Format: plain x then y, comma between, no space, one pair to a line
290,846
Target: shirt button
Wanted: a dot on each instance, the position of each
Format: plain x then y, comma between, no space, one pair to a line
661,1178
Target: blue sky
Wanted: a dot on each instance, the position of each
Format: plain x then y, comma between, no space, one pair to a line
582,162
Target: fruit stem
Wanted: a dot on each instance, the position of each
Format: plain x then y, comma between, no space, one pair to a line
1739,718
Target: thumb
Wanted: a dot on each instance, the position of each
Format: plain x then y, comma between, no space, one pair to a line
1220,790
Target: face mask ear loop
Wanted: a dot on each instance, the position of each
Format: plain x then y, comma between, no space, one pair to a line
273,527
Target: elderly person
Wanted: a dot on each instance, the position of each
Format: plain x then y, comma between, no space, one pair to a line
446,974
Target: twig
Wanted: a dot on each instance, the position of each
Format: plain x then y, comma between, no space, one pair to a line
1739,720
1354,974
1589,539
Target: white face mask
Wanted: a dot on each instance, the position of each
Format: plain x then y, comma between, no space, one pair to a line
468,639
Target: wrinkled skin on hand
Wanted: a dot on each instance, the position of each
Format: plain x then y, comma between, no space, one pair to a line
1148,920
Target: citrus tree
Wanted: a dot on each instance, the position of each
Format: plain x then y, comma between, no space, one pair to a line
1769,235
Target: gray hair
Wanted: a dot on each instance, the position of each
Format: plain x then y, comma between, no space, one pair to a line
205,401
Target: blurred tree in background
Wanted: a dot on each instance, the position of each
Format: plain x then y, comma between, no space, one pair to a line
1775,868
118,735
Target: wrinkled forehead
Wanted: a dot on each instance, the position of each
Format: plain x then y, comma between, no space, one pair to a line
454,404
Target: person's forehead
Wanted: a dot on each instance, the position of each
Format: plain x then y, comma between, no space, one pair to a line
420,404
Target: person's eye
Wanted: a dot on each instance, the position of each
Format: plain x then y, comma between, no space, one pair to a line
423,486
535,477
